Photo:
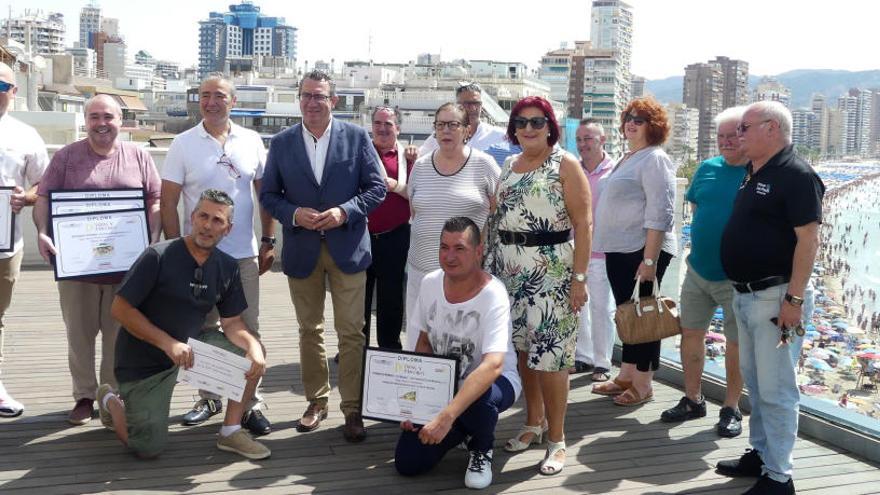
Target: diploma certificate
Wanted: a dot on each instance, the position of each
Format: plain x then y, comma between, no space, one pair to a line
96,194
7,221
216,370
68,207
399,386
99,243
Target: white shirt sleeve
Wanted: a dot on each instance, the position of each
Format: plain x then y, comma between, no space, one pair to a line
416,322
174,166
261,158
496,321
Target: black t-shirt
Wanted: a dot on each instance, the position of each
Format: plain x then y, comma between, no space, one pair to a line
162,284
759,239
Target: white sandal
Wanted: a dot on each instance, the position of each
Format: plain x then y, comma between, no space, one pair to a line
550,466
517,445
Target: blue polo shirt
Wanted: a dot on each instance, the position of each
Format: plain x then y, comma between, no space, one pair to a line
713,190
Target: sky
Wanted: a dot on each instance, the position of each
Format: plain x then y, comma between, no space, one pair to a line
773,36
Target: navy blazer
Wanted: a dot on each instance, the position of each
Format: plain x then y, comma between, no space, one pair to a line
352,180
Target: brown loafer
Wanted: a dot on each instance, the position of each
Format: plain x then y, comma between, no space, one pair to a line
353,431
311,419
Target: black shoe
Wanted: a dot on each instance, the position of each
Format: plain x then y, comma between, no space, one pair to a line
201,411
256,423
749,464
581,367
729,422
684,410
768,486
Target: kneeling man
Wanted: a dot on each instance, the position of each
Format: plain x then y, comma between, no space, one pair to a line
463,312
161,304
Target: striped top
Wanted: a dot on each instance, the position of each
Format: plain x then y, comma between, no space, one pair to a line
435,198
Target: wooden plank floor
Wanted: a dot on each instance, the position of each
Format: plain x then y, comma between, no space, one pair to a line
611,449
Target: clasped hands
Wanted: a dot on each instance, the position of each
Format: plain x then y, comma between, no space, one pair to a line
312,219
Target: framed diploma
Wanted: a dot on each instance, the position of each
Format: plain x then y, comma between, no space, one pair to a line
70,206
399,385
102,243
7,220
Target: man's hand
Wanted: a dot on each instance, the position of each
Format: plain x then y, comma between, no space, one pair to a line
47,247
258,365
306,217
410,153
330,219
434,432
266,257
408,426
18,199
180,354
391,184
789,315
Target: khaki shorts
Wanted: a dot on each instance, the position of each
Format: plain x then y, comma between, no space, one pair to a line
147,402
699,299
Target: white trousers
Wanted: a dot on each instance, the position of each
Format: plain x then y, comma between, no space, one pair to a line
595,341
414,278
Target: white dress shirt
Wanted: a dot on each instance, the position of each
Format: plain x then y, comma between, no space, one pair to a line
316,149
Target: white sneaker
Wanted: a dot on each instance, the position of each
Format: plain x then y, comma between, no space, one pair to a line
479,470
9,407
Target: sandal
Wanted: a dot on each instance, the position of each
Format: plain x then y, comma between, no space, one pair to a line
613,388
632,398
550,466
601,375
517,445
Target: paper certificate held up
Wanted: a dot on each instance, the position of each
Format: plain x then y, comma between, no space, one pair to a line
216,370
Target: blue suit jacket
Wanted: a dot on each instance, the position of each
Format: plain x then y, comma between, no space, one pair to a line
352,180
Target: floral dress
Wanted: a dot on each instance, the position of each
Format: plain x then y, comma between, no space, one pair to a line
538,279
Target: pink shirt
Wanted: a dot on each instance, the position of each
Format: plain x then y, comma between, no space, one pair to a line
594,177
76,166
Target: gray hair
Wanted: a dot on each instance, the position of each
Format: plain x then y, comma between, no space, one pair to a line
109,98
470,87
593,123
221,78
732,114
398,118
773,110
319,75
218,197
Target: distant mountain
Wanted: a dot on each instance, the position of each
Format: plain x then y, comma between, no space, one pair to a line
802,82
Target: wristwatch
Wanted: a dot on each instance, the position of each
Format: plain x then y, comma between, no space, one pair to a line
580,277
268,240
795,300
648,262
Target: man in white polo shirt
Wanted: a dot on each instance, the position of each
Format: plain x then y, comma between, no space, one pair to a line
218,154
23,160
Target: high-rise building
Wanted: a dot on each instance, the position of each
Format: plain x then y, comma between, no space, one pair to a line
611,23
769,89
684,123
735,85
874,141
820,132
110,25
40,33
89,24
638,87
115,58
243,40
556,67
856,122
85,61
710,88
598,89
804,123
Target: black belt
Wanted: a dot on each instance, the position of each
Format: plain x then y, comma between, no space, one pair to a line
529,239
764,283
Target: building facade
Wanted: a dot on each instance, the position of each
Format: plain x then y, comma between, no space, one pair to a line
684,124
40,33
89,24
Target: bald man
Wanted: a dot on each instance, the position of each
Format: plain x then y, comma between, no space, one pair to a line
100,161
22,162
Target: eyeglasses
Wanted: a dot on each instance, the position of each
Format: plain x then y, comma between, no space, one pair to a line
587,139
452,125
5,86
230,168
196,285
536,122
385,124
635,119
314,97
742,128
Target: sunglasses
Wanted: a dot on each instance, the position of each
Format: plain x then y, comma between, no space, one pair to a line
744,128
635,119
5,86
196,285
536,122
230,168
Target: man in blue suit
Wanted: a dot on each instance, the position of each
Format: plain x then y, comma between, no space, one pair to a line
322,179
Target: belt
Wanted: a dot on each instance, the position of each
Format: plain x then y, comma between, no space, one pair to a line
764,283
529,239
377,235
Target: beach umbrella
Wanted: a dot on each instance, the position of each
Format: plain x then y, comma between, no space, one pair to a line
715,337
817,364
812,333
864,346
840,324
820,353
870,354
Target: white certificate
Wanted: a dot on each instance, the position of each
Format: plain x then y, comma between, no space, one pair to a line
7,221
216,370
98,244
96,193
68,207
401,386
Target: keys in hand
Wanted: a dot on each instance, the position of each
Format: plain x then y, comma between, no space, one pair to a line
787,331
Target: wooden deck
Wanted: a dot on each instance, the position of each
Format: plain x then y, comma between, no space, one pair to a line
611,449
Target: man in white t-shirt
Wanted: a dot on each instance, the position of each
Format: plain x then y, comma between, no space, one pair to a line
463,312
482,135
218,154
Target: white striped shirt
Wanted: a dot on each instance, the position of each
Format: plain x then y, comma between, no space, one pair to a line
435,198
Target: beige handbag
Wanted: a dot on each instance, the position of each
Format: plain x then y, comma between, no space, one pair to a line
646,319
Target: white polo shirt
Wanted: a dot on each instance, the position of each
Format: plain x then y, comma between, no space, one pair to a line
23,159
193,162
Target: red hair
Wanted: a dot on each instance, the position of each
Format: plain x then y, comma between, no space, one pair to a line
655,118
542,105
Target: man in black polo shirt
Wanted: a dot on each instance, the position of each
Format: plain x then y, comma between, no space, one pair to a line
767,250
161,303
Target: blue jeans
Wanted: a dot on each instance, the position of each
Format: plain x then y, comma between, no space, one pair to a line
478,421
769,375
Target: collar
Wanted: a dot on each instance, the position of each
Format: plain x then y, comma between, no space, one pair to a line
603,166
387,153
781,157
233,129
326,133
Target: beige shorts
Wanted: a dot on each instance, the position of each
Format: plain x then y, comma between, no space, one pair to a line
699,299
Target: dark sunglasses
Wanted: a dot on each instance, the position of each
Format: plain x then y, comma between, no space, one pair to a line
536,122
635,119
5,86
196,285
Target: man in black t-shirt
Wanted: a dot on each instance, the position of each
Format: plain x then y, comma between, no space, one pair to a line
161,303
767,250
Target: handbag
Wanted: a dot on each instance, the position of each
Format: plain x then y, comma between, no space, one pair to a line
647,319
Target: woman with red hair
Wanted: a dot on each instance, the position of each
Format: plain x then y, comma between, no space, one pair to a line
633,227
543,194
